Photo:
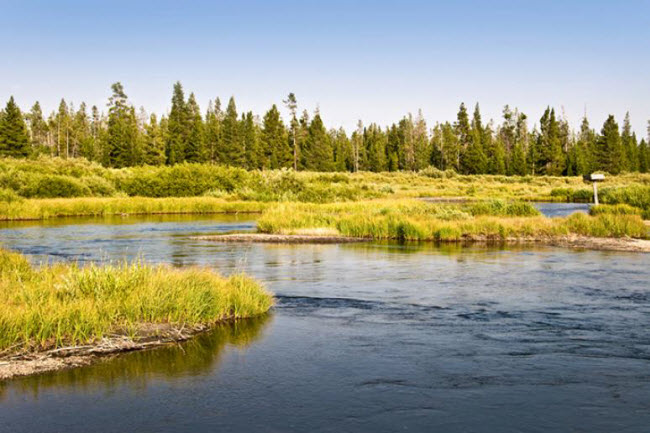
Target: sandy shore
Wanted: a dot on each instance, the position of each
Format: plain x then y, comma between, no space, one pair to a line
572,241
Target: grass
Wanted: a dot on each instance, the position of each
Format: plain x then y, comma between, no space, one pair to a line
41,209
65,304
47,177
413,220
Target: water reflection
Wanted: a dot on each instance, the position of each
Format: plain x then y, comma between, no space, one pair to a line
197,356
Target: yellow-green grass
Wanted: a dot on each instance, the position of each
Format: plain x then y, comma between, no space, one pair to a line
46,177
66,304
40,209
417,221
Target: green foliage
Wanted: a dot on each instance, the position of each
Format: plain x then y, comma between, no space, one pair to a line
61,305
55,186
582,195
9,196
181,180
14,138
412,220
503,208
636,195
122,131
615,209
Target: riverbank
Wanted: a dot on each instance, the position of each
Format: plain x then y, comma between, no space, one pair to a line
57,316
43,209
413,220
568,241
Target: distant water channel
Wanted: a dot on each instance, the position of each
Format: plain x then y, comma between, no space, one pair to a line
372,337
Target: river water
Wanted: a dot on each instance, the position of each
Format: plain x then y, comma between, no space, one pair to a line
375,337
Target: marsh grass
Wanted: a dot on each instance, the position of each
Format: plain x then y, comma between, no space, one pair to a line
41,209
66,304
413,220
46,177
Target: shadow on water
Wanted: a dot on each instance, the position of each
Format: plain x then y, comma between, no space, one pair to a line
197,356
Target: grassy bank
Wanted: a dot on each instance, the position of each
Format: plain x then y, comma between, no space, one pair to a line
41,209
66,305
417,221
46,177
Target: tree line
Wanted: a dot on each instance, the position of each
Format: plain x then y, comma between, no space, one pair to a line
128,137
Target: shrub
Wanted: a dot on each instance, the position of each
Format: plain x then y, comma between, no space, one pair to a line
54,186
99,186
8,195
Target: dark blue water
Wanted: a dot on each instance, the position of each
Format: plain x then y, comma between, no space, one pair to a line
365,337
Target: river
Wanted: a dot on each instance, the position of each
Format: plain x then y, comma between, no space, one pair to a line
374,337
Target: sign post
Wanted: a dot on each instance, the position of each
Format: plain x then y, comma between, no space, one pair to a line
595,178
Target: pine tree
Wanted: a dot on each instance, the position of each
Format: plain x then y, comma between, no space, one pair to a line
276,151
232,151
177,127
421,142
644,157
551,158
251,142
464,134
375,141
518,163
630,157
122,132
392,149
451,146
318,154
82,140
14,138
407,144
292,104
153,149
213,119
194,149
62,121
475,161
609,149
342,150
38,128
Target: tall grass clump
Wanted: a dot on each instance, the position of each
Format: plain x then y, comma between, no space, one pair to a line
414,220
635,195
61,305
503,208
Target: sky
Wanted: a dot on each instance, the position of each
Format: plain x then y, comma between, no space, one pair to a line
369,60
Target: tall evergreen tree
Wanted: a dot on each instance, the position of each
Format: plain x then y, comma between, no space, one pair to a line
14,138
420,142
644,157
464,134
475,161
194,149
153,149
609,149
342,150
630,157
232,150
38,128
276,151
251,142
375,141
122,132
213,119
292,104
177,127
318,154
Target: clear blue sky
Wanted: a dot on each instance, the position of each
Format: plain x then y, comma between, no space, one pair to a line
374,60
